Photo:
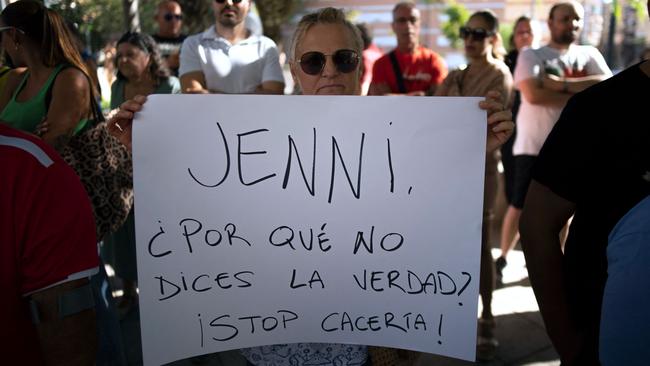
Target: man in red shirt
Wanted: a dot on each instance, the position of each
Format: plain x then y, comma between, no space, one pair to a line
420,68
48,251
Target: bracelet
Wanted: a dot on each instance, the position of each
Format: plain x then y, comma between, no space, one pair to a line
565,87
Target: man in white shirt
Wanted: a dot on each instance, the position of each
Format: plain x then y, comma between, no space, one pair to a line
229,58
547,77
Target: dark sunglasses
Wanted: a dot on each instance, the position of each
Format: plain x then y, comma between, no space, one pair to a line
3,29
313,63
478,34
411,20
223,1
6,28
169,17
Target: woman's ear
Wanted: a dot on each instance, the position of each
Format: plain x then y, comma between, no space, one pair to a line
13,35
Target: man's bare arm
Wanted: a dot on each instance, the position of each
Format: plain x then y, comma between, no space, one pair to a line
571,85
543,216
535,93
270,87
194,83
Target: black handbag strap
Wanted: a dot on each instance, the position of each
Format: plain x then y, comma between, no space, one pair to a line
398,72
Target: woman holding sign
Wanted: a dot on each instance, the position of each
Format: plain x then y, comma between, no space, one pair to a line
485,71
325,60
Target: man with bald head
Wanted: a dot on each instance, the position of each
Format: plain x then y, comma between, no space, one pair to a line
410,68
594,166
547,77
169,37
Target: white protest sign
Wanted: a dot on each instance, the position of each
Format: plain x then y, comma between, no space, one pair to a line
281,219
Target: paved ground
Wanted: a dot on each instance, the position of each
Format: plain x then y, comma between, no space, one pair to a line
520,330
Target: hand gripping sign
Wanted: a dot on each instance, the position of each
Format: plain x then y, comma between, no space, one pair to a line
265,220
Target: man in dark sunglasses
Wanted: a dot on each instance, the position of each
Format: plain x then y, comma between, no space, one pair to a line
410,68
229,58
169,18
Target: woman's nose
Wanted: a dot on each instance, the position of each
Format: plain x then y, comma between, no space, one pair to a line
330,68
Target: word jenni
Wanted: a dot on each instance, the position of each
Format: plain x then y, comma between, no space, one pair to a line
308,177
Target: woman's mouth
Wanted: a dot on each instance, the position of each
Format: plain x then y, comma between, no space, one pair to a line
331,89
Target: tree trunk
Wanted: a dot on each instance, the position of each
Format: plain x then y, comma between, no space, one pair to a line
273,14
131,15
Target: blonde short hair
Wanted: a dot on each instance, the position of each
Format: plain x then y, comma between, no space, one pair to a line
325,16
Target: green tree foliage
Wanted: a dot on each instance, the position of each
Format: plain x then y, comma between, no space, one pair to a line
197,15
506,32
100,21
457,16
640,8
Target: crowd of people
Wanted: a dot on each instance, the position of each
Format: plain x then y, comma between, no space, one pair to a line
573,120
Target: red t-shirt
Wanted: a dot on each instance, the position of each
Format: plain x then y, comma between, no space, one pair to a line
47,233
369,55
420,69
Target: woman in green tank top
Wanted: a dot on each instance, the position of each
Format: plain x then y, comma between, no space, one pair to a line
56,85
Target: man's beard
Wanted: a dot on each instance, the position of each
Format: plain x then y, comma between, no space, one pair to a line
565,38
228,21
